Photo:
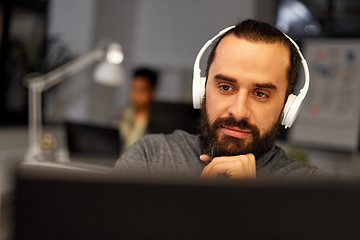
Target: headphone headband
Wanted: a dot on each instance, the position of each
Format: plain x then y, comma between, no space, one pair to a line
293,103
305,88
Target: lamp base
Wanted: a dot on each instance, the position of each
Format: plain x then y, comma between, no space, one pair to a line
34,154
62,155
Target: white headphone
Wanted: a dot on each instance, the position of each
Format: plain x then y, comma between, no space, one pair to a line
293,103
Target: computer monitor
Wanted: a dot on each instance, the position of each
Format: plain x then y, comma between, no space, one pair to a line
54,205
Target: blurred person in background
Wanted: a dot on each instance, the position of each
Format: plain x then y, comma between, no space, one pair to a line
134,119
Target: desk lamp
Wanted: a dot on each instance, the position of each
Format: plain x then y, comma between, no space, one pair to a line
108,72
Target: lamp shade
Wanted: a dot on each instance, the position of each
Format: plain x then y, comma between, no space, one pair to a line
109,74
114,53
110,71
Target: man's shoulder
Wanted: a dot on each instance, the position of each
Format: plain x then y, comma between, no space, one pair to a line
175,142
177,135
174,153
180,134
288,167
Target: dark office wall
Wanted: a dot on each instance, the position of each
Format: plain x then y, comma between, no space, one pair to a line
22,49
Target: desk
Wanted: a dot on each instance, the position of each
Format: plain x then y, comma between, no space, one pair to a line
13,145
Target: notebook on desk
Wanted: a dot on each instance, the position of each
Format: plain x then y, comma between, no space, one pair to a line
86,140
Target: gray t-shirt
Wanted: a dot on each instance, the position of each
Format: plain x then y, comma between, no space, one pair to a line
177,154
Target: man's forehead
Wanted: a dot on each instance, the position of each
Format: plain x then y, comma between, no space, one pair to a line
237,48
265,62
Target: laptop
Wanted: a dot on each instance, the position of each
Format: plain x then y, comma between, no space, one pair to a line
85,140
93,206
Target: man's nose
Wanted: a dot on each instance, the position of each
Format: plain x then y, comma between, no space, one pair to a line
240,106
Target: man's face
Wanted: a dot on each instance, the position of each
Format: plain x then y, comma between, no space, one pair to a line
141,92
245,94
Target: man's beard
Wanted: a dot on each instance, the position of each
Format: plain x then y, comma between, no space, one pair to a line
215,145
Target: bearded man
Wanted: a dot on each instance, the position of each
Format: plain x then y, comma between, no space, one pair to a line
251,70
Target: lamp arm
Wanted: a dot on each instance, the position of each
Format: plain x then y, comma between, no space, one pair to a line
58,75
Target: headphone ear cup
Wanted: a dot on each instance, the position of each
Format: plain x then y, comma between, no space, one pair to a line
291,110
198,91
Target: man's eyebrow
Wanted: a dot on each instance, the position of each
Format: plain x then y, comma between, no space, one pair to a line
269,86
225,78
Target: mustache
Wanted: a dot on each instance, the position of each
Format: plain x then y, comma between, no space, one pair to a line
231,122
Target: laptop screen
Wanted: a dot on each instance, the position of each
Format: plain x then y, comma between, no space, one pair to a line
90,140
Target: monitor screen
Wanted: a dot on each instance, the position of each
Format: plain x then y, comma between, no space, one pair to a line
54,205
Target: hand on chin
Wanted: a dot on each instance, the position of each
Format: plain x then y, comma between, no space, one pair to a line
240,166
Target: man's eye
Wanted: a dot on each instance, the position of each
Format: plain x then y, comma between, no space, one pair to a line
225,88
261,95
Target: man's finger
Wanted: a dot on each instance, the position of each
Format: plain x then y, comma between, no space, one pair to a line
205,158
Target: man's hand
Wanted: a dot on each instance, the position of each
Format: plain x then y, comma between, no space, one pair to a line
241,166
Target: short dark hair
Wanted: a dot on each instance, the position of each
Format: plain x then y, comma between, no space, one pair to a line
257,31
148,73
